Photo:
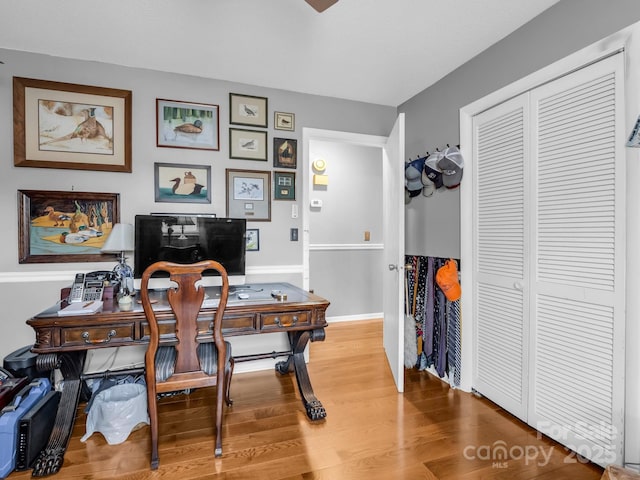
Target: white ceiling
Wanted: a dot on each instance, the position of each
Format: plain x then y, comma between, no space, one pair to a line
378,51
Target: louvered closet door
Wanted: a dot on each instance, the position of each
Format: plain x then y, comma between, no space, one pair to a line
501,254
577,276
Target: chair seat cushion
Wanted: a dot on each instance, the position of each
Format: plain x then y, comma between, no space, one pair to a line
207,354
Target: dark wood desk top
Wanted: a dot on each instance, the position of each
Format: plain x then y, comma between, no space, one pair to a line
260,312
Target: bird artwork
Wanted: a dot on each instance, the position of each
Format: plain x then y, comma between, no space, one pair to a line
81,236
190,130
249,111
188,186
249,145
58,218
89,129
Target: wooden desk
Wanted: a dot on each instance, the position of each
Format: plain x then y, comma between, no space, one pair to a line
62,342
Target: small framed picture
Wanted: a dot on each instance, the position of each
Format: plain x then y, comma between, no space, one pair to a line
182,183
248,144
249,194
187,125
284,185
248,110
285,152
284,121
253,239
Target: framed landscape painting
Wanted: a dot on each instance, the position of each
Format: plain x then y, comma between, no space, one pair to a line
63,125
65,226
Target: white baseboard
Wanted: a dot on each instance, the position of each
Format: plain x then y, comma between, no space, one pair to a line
351,318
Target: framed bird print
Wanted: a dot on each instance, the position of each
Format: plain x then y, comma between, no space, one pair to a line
248,144
284,121
249,194
187,125
182,183
64,125
57,227
248,110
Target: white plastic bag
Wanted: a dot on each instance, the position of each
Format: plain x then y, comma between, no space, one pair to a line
116,411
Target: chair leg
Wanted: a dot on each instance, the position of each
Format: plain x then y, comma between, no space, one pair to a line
227,383
153,421
220,396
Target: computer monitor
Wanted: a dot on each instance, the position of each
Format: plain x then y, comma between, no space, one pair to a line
189,238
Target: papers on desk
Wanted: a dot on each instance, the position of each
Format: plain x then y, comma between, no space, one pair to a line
81,308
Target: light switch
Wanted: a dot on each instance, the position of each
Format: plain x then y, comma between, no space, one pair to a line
367,236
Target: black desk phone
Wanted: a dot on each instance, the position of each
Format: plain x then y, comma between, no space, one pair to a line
89,287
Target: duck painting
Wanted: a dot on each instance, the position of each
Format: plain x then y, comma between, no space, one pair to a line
190,130
188,186
58,218
81,236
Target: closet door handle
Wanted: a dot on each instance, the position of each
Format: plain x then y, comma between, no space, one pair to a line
518,285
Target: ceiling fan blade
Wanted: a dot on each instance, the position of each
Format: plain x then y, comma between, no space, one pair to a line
321,5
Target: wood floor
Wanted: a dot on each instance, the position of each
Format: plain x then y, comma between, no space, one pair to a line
371,432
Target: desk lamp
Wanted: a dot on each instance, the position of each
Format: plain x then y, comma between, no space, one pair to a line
182,221
120,240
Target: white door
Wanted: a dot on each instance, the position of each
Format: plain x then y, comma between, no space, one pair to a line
393,268
548,256
578,260
501,254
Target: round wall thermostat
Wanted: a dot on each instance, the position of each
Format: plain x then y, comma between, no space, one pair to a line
319,165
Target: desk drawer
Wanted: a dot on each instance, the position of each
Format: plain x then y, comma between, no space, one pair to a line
284,321
230,324
96,335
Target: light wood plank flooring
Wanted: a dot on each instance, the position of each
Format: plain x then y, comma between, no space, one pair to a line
371,432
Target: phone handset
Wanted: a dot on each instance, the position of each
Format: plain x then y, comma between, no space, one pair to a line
77,289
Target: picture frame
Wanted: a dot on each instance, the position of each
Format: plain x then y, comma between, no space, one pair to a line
284,185
285,153
249,194
253,240
65,227
284,121
247,144
182,183
187,125
70,126
248,110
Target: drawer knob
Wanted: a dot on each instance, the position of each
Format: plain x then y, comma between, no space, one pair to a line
85,336
279,323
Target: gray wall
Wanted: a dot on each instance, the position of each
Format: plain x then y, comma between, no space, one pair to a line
27,289
343,266
432,118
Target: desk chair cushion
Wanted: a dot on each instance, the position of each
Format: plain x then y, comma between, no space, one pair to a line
207,354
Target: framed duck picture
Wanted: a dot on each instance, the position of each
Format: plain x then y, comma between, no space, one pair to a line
187,125
182,183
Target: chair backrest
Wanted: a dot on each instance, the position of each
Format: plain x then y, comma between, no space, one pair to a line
186,300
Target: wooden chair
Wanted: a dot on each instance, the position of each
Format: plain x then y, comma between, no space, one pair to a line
193,362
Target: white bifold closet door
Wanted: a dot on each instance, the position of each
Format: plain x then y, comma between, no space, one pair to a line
550,223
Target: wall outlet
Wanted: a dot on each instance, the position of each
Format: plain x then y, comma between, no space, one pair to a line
294,235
